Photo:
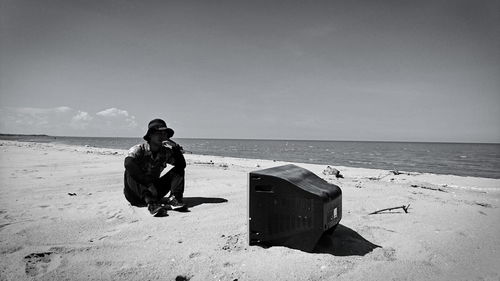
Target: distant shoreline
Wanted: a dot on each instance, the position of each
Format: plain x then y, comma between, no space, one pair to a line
2,135
23,135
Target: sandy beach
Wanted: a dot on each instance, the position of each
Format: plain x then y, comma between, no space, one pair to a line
63,216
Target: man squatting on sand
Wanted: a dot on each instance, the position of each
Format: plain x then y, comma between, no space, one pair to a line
144,164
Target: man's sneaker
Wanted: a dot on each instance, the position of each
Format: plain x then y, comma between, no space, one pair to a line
175,204
156,209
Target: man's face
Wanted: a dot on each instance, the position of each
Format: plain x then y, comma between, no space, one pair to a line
158,137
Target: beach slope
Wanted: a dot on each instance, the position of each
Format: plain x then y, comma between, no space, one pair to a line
63,217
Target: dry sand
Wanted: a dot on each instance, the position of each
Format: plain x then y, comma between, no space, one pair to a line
63,217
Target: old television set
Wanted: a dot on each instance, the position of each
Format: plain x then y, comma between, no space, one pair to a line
291,206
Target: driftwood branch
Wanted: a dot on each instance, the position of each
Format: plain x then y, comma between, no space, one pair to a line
405,208
430,188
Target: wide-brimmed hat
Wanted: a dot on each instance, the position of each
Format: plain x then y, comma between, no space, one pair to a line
158,125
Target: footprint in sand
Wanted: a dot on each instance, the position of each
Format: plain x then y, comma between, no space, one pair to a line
104,263
233,243
10,250
384,254
114,215
40,263
194,255
106,235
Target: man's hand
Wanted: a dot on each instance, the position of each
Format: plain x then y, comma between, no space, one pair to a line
173,145
169,143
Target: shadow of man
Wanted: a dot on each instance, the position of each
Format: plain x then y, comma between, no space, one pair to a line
344,242
195,201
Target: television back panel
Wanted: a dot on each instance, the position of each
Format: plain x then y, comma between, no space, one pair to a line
291,206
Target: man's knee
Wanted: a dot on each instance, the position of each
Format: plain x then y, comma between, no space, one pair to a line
134,192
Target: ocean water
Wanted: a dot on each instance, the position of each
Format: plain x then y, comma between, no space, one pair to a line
463,159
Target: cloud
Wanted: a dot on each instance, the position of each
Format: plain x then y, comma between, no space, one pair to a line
34,120
113,112
64,120
82,116
117,118
63,109
81,120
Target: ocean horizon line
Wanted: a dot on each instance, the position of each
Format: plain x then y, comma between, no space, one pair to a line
254,139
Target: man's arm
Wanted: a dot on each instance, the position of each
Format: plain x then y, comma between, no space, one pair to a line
179,160
133,168
136,172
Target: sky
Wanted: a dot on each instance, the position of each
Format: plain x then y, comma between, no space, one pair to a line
310,70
